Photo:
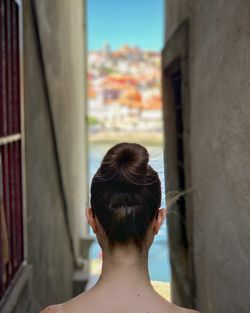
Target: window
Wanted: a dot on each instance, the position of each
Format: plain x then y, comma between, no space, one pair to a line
176,83
11,210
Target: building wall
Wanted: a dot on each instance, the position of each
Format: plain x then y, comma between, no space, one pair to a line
219,150
61,25
175,13
55,152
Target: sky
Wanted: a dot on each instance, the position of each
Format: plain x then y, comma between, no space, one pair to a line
118,22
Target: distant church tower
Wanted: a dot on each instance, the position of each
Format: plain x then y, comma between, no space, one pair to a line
106,49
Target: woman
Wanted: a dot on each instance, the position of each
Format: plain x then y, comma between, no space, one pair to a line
125,216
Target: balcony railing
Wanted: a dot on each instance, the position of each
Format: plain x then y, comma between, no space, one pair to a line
11,211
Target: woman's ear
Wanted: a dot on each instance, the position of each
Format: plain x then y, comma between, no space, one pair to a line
160,219
91,218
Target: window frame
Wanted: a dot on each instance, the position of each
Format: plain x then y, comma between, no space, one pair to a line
175,56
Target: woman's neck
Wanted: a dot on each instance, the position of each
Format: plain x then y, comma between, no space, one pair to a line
125,268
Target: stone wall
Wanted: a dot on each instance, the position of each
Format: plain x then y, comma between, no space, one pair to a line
217,148
55,152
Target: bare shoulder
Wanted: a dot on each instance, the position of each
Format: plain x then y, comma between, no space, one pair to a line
57,308
73,305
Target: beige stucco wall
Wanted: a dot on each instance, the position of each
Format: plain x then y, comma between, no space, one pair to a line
61,25
218,60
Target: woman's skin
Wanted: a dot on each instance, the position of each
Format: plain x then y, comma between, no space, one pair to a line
124,284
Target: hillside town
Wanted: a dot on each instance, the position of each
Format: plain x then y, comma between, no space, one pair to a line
124,90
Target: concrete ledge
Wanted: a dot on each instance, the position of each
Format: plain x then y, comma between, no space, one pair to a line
22,280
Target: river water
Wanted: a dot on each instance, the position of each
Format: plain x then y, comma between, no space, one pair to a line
159,268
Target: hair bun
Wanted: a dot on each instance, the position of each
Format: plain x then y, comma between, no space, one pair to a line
126,163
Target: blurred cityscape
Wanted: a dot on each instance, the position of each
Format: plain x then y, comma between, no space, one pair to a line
125,104
124,90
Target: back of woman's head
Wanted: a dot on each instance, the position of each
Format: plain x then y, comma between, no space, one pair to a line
126,194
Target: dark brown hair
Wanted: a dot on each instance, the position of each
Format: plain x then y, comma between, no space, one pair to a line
126,194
